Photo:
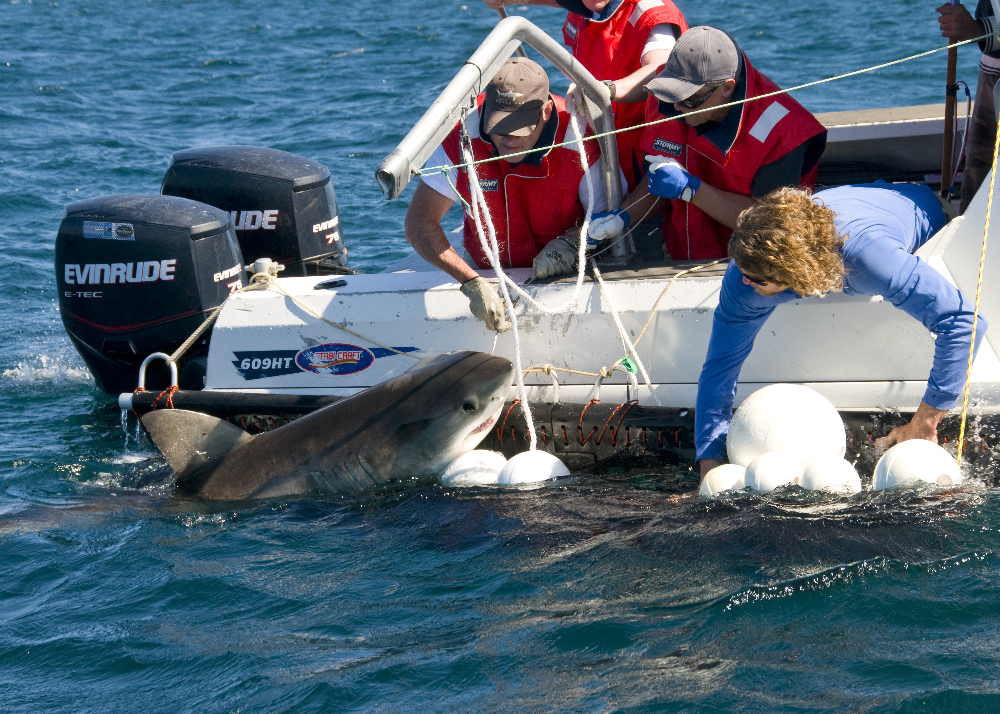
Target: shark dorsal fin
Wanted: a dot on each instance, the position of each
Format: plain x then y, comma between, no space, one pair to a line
190,441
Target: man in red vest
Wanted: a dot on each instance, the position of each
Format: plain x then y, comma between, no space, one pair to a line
714,161
536,193
621,43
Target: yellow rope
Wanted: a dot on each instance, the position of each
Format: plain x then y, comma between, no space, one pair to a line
432,170
975,312
657,303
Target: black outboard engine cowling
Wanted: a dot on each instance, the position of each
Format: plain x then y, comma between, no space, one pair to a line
281,205
137,274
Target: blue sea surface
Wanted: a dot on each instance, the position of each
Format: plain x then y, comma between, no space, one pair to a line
615,593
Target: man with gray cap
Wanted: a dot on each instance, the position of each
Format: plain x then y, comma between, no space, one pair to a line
714,161
536,192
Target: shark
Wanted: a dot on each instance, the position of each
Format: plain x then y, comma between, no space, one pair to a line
403,431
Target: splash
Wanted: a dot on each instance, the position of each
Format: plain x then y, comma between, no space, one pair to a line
44,368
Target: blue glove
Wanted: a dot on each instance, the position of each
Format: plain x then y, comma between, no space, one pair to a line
606,225
668,179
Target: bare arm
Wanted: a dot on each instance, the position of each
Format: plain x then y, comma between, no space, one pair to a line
423,231
723,206
630,89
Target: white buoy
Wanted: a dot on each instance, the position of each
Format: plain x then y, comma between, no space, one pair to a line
828,473
915,461
789,418
478,467
772,470
532,467
728,477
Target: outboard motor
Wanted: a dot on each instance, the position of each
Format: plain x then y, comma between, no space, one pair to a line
281,205
137,274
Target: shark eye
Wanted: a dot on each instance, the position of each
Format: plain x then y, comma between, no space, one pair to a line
469,407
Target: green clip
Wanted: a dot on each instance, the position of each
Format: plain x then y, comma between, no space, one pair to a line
627,364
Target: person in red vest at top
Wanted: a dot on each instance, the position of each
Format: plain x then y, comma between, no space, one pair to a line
622,43
715,161
536,200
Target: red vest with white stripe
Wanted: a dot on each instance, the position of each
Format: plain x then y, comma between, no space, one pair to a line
769,129
612,49
530,204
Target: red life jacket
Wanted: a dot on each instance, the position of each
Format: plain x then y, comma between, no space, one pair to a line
530,204
769,129
612,49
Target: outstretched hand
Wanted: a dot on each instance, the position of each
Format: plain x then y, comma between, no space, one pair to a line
923,425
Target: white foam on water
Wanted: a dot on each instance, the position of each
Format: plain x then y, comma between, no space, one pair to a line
44,368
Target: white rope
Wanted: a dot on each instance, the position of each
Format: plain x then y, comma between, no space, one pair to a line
582,248
621,328
488,242
492,250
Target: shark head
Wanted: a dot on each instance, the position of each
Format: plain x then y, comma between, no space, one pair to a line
405,429
459,398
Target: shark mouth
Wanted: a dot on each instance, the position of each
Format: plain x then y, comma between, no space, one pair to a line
490,421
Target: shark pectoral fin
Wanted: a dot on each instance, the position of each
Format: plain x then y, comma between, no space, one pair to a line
190,441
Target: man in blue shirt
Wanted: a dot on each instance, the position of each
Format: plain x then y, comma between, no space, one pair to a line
855,239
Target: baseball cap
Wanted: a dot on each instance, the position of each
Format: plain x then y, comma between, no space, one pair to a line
702,55
515,97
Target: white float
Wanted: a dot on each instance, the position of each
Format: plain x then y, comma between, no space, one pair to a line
916,461
772,470
531,467
478,467
789,418
832,474
728,477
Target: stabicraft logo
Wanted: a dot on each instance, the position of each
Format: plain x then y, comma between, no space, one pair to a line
489,184
335,359
667,147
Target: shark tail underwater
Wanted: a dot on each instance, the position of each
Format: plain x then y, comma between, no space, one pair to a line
403,431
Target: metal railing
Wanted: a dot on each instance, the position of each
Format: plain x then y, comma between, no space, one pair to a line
396,170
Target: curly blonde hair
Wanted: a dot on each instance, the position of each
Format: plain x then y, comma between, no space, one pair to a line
790,240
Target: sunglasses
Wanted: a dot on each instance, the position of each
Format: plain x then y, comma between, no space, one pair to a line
690,103
754,280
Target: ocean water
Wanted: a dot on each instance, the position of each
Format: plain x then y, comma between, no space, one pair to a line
615,593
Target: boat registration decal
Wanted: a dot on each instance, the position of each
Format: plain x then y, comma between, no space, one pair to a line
259,364
336,359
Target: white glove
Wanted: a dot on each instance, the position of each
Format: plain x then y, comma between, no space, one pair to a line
486,304
656,162
574,100
607,225
556,258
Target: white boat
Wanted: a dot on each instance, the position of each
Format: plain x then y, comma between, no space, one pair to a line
319,337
